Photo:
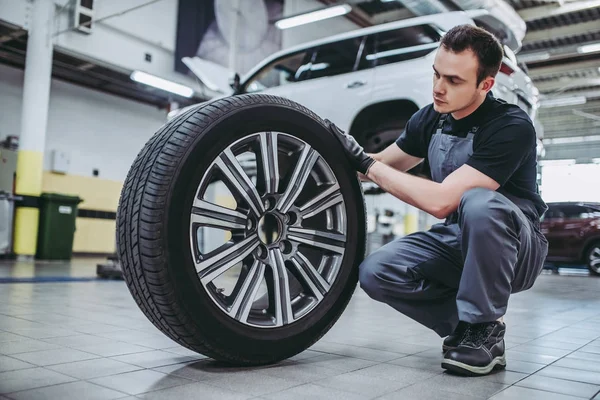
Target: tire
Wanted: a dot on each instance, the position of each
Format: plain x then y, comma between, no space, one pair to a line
592,258
160,248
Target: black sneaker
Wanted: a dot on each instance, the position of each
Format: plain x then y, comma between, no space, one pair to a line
480,351
453,340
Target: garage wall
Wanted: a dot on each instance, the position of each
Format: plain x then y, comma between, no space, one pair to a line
97,131
316,30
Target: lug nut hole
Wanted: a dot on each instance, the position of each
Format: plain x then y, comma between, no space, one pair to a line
291,218
285,246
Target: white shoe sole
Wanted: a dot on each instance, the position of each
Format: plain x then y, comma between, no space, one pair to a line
465,369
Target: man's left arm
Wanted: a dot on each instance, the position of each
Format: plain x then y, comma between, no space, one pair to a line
489,167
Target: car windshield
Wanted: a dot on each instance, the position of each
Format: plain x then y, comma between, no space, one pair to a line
284,70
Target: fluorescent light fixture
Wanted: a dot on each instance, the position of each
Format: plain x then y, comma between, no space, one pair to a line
313,16
563,101
539,56
573,139
589,48
161,83
404,50
547,163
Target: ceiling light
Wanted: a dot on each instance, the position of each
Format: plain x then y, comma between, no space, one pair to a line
161,83
313,16
529,57
589,48
563,101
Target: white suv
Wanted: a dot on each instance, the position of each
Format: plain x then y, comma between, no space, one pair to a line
368,81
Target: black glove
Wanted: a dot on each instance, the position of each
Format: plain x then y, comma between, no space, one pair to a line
354,151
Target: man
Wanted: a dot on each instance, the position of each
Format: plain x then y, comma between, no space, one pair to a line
457,277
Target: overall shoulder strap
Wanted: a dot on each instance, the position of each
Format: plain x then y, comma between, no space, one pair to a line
441,123
472,132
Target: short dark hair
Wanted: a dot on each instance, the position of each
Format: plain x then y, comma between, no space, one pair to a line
486,47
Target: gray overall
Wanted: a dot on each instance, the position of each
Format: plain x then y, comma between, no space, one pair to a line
465,268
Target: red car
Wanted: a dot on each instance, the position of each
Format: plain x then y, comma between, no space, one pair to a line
573,233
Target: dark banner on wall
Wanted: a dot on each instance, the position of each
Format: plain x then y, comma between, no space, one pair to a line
204,29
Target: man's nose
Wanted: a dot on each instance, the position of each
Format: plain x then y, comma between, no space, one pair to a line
438,87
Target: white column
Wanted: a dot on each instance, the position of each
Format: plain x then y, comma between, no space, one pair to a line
34,119
38,70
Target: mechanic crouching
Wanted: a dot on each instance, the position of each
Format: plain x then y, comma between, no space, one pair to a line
457,277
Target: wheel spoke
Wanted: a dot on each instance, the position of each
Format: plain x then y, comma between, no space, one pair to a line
595,258
213,215
281,286
325,240
217,264
243,301
322,201
270,166
305,164
310,275
235,174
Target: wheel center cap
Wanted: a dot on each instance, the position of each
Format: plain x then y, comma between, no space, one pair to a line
269,229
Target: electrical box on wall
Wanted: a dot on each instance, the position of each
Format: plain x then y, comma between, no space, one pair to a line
60,162
8,168
84,15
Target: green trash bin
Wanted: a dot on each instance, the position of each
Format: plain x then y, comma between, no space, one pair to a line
56,229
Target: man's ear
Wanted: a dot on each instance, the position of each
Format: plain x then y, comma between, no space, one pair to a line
487,84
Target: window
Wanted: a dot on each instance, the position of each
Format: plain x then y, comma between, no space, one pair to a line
336,58
404,44
288,69
574,211
553,213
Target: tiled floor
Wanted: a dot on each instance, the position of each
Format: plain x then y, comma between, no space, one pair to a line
86,339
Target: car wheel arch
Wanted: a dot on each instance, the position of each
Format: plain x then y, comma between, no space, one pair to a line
362,118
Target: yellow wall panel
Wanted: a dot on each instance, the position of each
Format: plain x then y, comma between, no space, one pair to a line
29,167
94,236
97,194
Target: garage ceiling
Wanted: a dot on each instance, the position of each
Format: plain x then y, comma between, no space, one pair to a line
558,33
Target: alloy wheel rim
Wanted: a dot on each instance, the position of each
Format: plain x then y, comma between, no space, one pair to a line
594,261
285,229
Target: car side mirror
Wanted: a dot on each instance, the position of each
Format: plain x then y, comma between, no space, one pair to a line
235,83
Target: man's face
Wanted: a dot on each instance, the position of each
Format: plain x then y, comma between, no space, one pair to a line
455,81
